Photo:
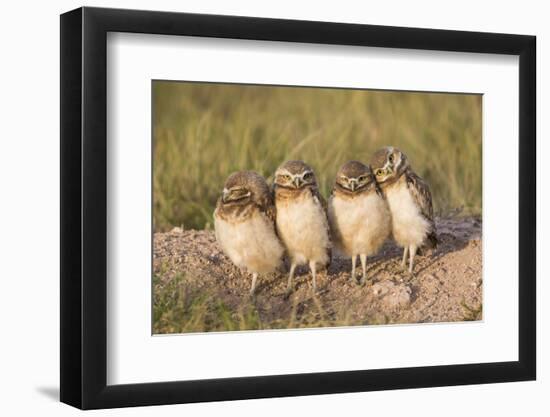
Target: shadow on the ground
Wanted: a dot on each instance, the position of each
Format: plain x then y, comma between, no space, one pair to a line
50,392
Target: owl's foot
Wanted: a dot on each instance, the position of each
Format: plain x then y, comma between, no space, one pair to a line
289,284
404,259
408,275
353,261
412,253
288,292
364,281
313,269
251,293
313,287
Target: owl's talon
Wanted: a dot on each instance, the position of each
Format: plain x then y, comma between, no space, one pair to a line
288,292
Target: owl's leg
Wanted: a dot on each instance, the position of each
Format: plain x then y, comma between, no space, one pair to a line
353,260
412,252
253,287
364,266
289,287
313,267
404,261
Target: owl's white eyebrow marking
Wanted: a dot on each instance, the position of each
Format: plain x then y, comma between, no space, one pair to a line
283,171
386,165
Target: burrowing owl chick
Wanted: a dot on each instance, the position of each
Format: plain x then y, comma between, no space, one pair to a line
359,216
409,199
244,221
301,218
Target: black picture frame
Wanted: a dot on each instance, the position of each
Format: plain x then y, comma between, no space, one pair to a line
84,207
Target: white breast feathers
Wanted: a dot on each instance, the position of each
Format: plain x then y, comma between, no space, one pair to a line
409,227
250,244
303,227
360,224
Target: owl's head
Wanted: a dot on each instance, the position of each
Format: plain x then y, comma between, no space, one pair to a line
388,164
354,177
295,175
243,187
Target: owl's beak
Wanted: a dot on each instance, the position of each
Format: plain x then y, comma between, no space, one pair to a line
297,182
353,184
225,195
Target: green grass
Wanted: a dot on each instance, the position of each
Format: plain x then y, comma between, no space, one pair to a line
203,132
178,309
472,313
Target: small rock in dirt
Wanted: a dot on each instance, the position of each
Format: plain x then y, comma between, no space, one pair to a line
382,288
393,295
400,297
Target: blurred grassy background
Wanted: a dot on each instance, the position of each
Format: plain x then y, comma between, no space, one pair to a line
203,132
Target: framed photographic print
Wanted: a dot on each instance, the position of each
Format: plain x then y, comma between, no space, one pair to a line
257,207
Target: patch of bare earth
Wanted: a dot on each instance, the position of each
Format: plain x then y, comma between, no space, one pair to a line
446,285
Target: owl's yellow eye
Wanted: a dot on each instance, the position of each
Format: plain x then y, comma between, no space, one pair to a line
362,178
379,172
286,177
308,176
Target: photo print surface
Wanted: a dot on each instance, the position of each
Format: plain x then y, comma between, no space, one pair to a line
279,207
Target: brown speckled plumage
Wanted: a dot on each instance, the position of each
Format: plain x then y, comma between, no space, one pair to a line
358,214
354,170
409,198
244,221
302,222
261,197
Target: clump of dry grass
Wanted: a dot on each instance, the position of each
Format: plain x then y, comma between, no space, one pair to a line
203,132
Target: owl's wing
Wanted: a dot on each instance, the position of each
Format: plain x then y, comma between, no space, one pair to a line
267,207
421,194
217,209
318,197
420,191
271,212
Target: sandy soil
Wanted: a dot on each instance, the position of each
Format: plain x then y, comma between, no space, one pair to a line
446,285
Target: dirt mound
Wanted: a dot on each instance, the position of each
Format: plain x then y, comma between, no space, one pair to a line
189,266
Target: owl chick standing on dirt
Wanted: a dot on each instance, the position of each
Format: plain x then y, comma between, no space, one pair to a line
244,221
409,199
358,213
301,218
